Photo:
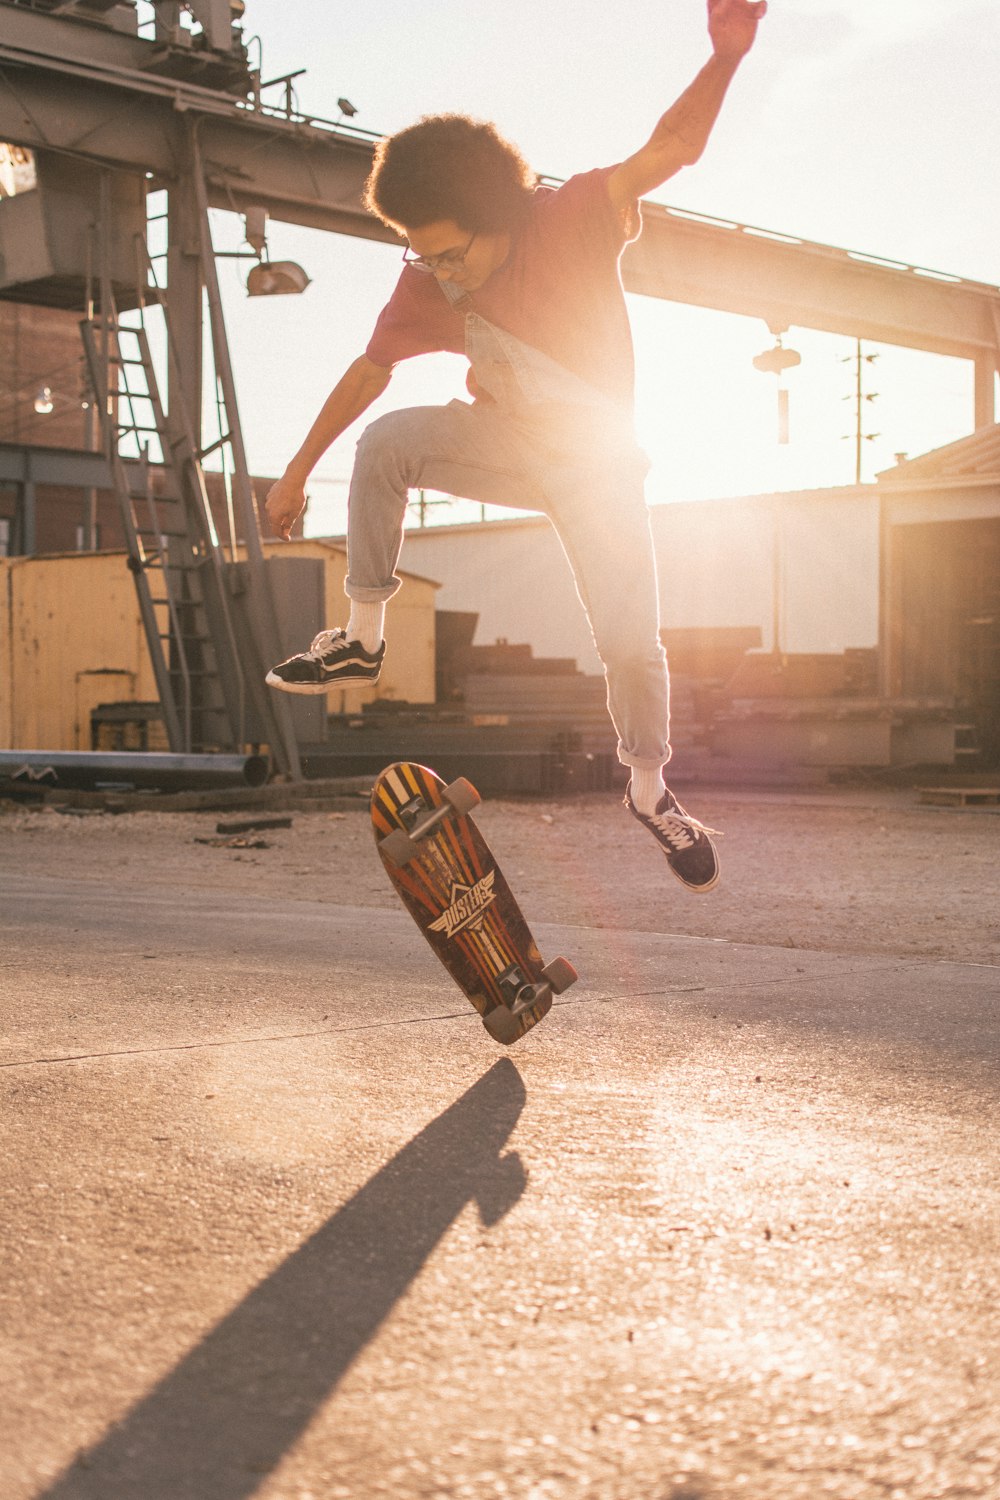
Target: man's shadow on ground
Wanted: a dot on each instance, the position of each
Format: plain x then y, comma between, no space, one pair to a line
224,1418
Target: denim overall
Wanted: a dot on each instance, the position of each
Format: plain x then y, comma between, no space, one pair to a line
546,441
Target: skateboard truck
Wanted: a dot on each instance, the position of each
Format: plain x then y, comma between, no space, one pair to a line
531,994
403,844
520,995
502,1021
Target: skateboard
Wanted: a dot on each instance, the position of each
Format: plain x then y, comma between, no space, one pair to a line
449,881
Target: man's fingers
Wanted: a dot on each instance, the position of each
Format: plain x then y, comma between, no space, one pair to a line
284,504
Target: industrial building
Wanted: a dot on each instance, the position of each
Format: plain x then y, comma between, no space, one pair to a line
850,626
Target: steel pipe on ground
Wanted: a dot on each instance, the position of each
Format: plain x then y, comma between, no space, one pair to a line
91,769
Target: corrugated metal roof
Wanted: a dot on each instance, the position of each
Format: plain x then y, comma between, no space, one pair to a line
974,457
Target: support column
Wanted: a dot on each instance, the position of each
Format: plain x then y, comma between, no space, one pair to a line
90,536
985,403
257,599
28,513
885,613
184,293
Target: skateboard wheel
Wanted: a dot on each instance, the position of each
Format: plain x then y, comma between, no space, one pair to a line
462,796
502,1026
561,974
398,848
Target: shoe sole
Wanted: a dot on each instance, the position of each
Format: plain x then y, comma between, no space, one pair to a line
317,687
696,890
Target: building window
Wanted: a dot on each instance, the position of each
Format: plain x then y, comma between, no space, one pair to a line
81,539
5,530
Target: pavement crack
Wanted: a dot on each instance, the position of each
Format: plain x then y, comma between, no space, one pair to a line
240,1041
717,986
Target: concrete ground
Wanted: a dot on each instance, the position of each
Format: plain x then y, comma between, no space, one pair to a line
280,1220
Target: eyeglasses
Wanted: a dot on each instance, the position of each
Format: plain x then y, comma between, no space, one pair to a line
453,260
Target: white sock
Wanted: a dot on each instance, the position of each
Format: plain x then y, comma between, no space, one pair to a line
647,789
366,624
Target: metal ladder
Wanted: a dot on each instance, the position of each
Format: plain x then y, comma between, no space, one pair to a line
173,548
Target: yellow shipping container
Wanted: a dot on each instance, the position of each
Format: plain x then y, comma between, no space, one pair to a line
71,638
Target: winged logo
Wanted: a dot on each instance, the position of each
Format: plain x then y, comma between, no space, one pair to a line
467,904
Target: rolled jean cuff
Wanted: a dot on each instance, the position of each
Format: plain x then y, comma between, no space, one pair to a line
376,594
643,763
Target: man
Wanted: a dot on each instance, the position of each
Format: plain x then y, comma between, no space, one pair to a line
524,281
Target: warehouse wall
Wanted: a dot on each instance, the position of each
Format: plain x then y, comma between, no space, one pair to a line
70,638
806,562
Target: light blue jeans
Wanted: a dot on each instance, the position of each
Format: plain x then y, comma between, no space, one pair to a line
547,460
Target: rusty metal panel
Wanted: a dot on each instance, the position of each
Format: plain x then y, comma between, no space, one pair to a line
47,246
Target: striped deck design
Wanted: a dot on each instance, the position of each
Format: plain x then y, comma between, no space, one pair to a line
457,895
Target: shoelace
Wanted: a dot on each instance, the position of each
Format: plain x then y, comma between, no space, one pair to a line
680,829
326,643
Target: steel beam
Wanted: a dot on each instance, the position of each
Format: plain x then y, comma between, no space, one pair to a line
790,282
72,467
62,35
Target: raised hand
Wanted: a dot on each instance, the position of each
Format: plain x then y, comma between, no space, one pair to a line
732,26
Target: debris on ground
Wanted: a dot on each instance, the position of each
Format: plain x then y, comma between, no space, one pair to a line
251,825
237,842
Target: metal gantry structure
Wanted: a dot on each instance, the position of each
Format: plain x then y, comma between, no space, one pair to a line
112,108
117,99
208,613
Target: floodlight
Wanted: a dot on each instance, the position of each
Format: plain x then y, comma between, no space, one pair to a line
276,278
775,361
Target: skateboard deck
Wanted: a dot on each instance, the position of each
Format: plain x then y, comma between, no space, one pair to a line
449,881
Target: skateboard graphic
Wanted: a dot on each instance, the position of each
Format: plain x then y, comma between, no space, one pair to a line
443,869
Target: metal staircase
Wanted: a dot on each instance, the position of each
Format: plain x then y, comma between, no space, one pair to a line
173,549
209,616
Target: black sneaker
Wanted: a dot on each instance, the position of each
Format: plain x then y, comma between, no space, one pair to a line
686,842
331,660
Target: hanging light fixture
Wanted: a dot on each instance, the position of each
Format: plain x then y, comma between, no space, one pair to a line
44,402
776,361
275,278
271,278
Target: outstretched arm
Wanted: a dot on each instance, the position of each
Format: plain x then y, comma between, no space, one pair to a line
681,136
362,384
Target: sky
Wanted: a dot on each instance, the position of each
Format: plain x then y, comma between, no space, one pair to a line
866,124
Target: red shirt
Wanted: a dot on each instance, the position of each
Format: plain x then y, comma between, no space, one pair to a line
559,291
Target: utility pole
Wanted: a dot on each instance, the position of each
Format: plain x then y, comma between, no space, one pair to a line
860,396
423,505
